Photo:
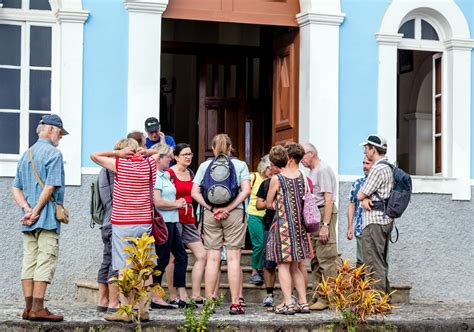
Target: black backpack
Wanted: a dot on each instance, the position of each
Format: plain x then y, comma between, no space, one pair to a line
219,186
400,195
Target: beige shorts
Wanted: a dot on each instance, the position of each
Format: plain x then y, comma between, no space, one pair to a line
229,232
40,255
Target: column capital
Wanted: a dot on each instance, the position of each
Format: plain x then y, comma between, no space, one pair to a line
71,16
146,6
388,38
459,44
310,17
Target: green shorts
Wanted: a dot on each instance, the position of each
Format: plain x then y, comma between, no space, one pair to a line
40,255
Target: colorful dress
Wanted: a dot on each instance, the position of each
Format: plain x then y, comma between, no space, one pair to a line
288,240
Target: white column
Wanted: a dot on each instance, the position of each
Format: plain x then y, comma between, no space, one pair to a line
144,58
387,91
70,68
319,82
459,103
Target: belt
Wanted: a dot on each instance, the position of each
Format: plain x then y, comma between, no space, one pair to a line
320,206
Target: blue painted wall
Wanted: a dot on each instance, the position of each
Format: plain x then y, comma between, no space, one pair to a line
105,76
358,79
467,6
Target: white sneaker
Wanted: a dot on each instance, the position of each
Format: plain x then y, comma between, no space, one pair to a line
268,300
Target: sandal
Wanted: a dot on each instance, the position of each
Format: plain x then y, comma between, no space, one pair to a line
287,309
236,309
242,302
302,308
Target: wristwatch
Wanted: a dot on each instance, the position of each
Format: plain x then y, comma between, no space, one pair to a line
324,224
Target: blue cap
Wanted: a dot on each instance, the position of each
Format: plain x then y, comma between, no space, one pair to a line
53,120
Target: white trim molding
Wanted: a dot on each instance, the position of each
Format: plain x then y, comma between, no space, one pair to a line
319,76
67,19
144,55
456,45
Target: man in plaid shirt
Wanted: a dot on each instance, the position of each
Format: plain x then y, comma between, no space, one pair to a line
376,225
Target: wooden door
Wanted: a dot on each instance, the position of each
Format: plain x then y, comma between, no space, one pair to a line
285,88
221,103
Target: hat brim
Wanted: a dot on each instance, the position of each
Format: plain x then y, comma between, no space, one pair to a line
64,132
152,128
373,144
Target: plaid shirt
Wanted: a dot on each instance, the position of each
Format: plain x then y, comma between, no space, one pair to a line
358,207
380,180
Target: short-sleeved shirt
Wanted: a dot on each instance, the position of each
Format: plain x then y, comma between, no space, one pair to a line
269,213
169,140
48,162
106,189
324,181
132,191
380,180
168,193
255,181
356,185
241,170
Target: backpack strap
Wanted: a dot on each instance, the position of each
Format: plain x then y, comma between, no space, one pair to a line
51,198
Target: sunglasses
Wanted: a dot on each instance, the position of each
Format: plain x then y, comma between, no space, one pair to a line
187,155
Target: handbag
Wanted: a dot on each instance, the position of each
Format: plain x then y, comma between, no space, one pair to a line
61,213
311,215
158,227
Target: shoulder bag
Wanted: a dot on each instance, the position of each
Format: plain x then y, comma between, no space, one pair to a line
311,215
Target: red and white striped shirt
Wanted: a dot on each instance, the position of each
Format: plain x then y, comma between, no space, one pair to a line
132,191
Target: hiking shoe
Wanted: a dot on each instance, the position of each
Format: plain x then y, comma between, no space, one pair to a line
236,309
116,317
256,279
268,300
319,306
44,315
25,314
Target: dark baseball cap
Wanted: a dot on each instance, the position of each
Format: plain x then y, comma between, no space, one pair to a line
152,124
376,140
53,120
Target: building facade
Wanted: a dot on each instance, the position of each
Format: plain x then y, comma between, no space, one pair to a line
330,72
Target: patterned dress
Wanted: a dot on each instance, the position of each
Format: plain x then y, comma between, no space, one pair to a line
288,240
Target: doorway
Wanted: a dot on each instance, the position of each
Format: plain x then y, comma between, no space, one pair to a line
219,78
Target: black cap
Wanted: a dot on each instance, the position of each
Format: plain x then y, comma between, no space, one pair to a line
152,124
53,120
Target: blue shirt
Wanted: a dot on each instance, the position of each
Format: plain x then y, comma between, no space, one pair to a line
358,208
169,140
168,193
48,162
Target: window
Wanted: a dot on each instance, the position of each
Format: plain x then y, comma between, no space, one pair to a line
26,68
418,28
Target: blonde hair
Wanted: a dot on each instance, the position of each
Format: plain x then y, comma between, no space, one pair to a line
126,143
162,149
221,144
263,165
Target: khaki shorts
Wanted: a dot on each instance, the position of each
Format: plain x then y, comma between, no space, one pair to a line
229,232
40,255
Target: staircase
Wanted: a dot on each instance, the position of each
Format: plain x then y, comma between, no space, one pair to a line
87,290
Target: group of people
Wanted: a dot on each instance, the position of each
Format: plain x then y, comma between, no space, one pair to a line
149,172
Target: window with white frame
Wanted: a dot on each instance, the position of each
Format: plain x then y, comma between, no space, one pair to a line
26,71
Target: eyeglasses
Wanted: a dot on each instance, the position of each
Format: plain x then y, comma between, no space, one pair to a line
187,155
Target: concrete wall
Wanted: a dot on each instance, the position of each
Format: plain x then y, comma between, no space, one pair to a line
435,252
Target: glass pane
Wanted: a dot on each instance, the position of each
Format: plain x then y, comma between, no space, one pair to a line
34,120
9,88
438,152
40,4
438,76
438,115
11,3
10,133
10,39
40,90
408,29
40,46
427,31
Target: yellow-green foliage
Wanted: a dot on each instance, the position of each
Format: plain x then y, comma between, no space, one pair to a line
132,280
351,294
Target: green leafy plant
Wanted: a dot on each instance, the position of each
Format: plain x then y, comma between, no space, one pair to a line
132,280
196,321
351,294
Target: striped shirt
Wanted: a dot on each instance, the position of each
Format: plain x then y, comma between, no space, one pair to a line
380,180
132,191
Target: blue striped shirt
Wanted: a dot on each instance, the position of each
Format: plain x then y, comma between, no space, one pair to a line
49,165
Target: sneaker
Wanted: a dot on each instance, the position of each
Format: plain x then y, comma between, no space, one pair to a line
256,279
236,309
268,300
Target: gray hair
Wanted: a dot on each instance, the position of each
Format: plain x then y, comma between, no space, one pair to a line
41,128
263,164
310,147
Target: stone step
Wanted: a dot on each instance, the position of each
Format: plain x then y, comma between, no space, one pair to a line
245,258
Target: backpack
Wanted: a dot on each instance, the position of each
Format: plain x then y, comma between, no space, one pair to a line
97,209
219,186
400,195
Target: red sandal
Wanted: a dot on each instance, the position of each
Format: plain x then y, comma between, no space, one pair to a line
236,309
